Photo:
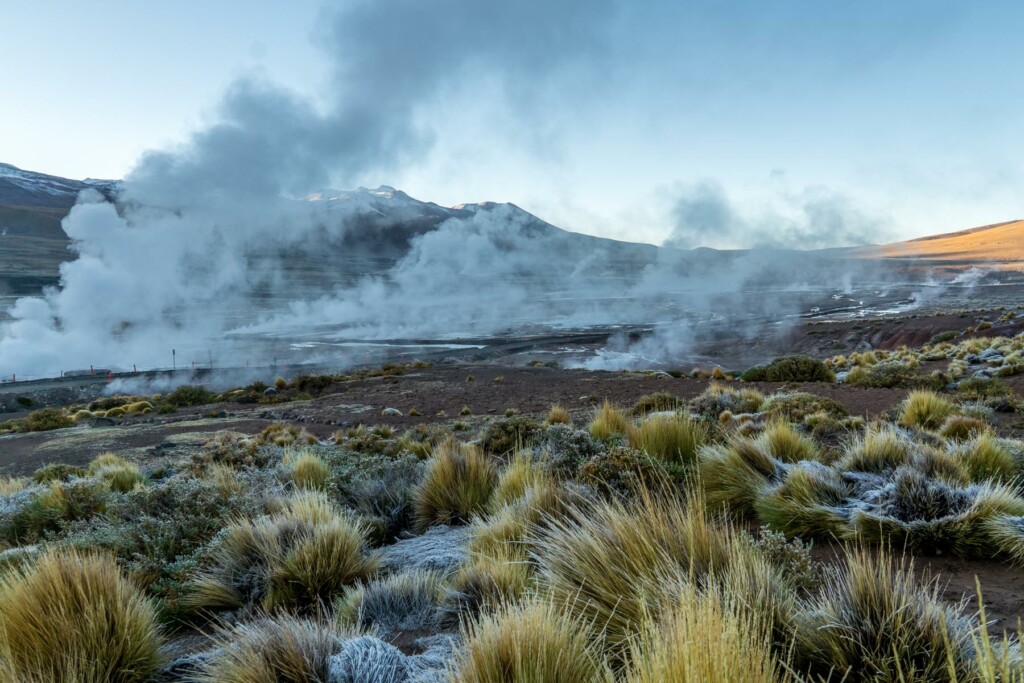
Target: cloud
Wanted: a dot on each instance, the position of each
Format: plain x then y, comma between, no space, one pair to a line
812,217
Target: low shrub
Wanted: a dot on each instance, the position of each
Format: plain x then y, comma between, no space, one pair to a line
795,406
794,368
507,434
458,484
621,471
563,450
893,374
56,471
718,398
185,396
71,617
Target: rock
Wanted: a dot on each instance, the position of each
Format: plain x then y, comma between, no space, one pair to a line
270,391
441,548
841,376
391,412
102,422
166,445
367,659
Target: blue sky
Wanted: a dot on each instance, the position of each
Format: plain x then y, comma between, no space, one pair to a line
719,123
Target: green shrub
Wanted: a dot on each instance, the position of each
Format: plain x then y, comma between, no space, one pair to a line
796,405
893,374
794,368
507,434
73,618
56,471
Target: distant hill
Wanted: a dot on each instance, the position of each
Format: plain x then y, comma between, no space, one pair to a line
1000,245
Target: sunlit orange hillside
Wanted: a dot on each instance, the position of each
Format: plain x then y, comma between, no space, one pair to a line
1000,245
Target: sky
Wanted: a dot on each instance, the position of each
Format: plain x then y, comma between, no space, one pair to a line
715,123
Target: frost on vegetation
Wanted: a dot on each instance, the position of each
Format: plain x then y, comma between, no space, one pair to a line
439,548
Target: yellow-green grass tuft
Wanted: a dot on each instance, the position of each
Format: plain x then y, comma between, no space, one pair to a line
299,559
307,471
963,428
609,422
925,409
558,416
877,450
672,438
1007,533
609,564
72,617
520,474
487,581
532,643
9,485
985,457
103,460
458,484
733,474
877,621
783,442
274,649
408,601
705,638
806,503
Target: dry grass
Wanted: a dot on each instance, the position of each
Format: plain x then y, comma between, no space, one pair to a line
458,484
609,565
609,422
307,471
520,474
878,622
734,474
705,638
9,485
925,410
488,581
671,438
533,643
985,457
273,649
299,559
558,415
783,442
963,428
806,503
877,450
408,601
74,618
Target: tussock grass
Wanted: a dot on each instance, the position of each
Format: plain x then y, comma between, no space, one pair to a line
72,617
307,471
783,442
1007,533
926,515
609,565
486,582
985,457
705,638
408,601
9,485
103,461
925,409
877,622
609,422
520,474
458,484
298,559
963,428
282,648
806,503
877,450
533,643
558,416
734,474
671,438
656,402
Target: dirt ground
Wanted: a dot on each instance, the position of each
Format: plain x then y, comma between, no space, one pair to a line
439,393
